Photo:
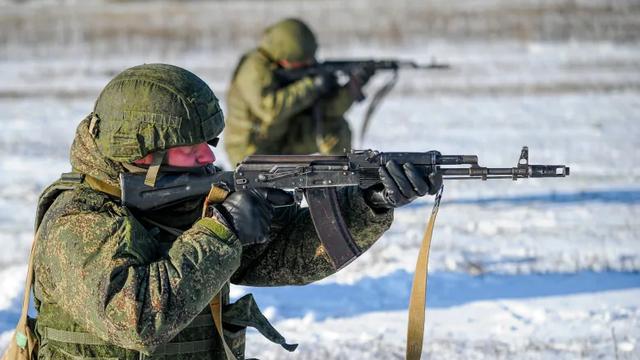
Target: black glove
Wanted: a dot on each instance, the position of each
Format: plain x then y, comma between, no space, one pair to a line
400,186
361,75
326,83
250,213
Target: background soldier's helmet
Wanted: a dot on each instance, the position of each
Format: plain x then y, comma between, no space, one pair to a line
289,39
154,107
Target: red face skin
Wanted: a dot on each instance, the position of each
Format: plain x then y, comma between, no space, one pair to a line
184,156
295,64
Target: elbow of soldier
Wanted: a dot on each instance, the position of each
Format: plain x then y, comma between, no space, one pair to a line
271,116
273,111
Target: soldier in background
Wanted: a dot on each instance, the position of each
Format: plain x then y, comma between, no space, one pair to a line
116,283
267,116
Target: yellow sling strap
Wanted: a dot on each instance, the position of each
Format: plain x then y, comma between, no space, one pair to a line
216,313
23,345
217,195
418,299
102,186
22,324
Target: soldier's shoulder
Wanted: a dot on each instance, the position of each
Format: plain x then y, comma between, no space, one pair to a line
255,60
81,199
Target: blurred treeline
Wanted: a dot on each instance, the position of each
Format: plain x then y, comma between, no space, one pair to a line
102,28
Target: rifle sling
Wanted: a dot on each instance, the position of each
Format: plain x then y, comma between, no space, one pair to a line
102,186
375,101
217,195
23,334
418,299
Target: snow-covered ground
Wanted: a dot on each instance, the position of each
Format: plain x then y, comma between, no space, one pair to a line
565,326
532,269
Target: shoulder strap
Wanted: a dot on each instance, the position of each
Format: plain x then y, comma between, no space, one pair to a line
22,332
102,186
217,195
235,71
375,101
67,181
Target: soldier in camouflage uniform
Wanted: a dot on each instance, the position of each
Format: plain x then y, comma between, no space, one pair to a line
116,283
267,116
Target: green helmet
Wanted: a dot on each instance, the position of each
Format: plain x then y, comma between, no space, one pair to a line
289,39
154,107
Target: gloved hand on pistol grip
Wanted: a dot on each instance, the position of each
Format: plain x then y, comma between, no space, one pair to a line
326,83
362,75
401,185
250,213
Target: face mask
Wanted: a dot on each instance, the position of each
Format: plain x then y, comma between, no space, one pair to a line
208,169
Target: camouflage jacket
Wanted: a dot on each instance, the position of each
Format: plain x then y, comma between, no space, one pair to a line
265,117
136,291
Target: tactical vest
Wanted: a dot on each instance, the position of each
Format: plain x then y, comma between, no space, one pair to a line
60,337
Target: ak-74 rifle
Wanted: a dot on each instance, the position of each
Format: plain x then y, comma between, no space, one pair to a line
316,177
346,68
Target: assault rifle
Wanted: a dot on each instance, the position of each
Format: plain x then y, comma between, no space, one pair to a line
317,177
347,68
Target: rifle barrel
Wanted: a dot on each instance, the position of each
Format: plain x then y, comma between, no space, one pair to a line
484,173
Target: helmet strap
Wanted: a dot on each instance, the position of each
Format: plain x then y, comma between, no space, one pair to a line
154,168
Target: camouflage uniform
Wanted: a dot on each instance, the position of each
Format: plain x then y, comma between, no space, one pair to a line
267,117
134,290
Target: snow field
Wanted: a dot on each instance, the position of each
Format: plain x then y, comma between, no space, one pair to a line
533,269
567,327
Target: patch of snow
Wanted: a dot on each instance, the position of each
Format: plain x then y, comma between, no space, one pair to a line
540,268
559,327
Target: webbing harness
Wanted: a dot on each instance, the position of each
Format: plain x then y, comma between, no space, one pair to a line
172,348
